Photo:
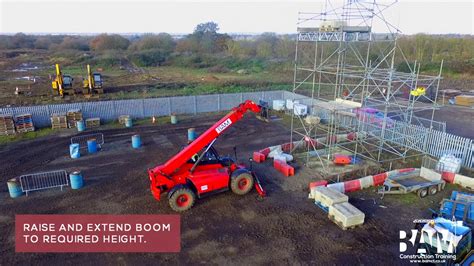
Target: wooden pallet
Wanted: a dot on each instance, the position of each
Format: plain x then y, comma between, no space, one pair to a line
24,123
26,129
338,223
7,132
123,118
7,125
73,116
59,121
92,122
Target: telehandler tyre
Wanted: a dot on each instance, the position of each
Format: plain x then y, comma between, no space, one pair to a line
182,199
241,182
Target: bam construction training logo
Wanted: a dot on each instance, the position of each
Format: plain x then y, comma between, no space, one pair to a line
431,243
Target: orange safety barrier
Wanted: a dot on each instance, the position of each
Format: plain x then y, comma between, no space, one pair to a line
258,157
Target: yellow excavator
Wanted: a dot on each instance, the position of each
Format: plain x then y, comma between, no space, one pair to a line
62,84
93,83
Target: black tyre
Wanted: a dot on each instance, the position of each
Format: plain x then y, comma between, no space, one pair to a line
241,182
433,190
182,199
422,192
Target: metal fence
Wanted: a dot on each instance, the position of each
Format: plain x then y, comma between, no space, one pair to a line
82,140
430,141
45,180
142,108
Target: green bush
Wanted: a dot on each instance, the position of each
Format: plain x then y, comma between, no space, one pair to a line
148,58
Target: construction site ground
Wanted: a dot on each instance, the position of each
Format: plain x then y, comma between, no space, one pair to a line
284,228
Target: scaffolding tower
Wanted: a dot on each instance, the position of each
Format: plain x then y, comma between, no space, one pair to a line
359,83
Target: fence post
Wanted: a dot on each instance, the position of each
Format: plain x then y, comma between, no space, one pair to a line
425,141
241,97
169,105
195,105
48,114
114,108
143,108
219,102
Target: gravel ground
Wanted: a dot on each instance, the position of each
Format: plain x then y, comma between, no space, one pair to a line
285,228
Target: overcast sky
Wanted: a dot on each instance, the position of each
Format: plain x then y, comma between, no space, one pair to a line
233,16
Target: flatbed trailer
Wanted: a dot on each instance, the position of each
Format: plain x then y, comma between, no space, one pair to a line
423,182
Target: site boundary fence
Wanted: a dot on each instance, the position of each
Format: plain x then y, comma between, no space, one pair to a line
143,108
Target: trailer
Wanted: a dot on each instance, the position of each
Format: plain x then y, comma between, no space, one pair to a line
422,181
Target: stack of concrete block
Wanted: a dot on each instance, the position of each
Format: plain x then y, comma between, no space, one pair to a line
336,204
345,215
326,197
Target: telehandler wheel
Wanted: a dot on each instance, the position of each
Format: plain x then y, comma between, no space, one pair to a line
433,190
241,183
422,192
182,199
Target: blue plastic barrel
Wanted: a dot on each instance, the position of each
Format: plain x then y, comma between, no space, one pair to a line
81,126
76,180
92,146
454,194
136,141
74,150
191,134
128,122
14,188
174,119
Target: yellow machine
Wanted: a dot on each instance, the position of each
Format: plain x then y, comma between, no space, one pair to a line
418,91
93,83
62,84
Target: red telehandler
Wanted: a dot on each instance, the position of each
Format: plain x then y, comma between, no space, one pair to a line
198,171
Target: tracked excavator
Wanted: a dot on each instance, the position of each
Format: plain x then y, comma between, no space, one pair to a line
62,84
93,83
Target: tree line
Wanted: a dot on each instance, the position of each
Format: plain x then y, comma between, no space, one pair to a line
206,47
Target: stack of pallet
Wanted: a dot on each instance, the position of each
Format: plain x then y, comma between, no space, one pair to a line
24,123
465,100
73,116
92,122
58,121
123,118
7,126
